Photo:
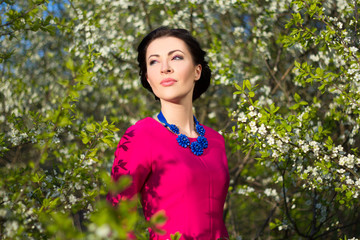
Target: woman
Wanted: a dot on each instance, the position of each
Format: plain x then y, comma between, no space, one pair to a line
177,164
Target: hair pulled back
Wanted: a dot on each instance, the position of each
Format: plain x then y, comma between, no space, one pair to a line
198,56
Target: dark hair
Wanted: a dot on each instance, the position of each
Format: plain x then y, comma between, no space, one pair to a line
198,56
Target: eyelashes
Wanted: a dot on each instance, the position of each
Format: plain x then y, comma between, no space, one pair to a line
176,57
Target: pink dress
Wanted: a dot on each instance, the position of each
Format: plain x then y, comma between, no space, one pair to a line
191,189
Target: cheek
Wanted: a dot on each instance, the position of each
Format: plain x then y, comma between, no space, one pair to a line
150,77
151,70
191,72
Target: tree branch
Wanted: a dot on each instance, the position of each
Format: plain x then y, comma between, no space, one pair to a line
146,14
287,211
21,15
240,166
335,229
314,228
266,223
278,83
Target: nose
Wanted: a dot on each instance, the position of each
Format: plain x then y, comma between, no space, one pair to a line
166,68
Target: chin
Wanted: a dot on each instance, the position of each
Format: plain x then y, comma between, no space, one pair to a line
174,97
171,99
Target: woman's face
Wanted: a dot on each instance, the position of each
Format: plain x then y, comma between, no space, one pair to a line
171,71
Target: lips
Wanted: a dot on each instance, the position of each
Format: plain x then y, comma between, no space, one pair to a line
168,82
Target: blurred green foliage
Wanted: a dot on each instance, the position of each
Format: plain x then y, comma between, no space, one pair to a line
285,94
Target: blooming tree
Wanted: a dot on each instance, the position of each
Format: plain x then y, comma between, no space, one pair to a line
285,95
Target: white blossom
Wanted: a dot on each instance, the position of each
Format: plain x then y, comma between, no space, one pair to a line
262,129
253,127
103,231
353,49
270,140
242,117
72,199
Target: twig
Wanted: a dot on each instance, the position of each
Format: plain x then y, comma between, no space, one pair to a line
356,15
313,228
335,229
287,211
191,19
207,27
261,231
240,166
146,14
21,16
275,78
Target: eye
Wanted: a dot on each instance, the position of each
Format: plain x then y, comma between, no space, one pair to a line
178,57
152,62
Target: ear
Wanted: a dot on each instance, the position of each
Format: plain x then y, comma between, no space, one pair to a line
198,70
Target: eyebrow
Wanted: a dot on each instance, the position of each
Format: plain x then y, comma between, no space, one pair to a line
171,52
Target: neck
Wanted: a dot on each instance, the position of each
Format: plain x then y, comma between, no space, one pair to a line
181,115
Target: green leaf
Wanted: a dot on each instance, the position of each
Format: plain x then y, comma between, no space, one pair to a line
91,127
305,116
247,84
349,194
53,203
319,72
108,142
104,122
288,128
36,178
295,106
238,87
47,20
84,137
50,29
70,64
73,94
64,121
158,218
273,109
272,225
175,236
92,153
291,118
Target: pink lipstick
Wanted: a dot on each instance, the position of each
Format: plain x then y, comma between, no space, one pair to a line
168,82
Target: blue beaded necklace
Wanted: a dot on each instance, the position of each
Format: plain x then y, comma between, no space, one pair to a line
196,147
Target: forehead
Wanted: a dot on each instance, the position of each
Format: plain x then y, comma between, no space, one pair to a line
163,45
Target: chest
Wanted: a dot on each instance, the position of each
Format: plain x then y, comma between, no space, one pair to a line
176,167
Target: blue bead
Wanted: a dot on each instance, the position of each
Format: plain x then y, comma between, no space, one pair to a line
200,130
196,148
174,128
202,141
183,140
